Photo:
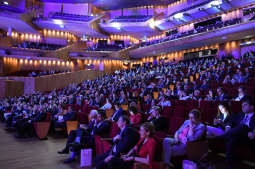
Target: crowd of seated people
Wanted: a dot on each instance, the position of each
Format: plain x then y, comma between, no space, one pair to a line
249,11
36,73
132,18
60,15
38,45
136,88
107,47
199,29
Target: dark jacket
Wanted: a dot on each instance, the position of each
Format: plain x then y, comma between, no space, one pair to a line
102,129
129,138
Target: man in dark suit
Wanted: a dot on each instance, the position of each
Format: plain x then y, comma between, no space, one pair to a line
25,125
123,142
67,116
157,119
84,136
117,113
242,131
222,96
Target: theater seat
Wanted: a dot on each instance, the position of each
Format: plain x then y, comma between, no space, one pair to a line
42,129
175,123
71,125
109,113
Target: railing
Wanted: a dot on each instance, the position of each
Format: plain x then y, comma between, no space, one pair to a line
193,32
132,18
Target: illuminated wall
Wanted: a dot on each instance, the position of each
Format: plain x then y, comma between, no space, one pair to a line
230,48
11,64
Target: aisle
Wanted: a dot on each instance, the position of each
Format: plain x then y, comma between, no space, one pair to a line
31,153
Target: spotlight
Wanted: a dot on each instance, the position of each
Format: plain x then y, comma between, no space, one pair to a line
6,3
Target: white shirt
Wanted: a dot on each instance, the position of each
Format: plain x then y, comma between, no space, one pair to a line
239,98
106,106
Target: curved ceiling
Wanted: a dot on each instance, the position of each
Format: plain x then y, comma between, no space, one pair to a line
116,4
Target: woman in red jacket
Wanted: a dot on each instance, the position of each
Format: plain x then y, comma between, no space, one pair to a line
135,117
143,152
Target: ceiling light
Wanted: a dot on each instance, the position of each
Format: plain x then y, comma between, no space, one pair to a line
58,22
116,25
216,3
61,26
6,3
178,16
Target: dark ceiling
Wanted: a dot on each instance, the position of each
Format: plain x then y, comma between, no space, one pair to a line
116,4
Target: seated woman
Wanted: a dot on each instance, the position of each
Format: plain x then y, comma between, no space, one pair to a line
143,152
191,130
210,96
220,124
135,117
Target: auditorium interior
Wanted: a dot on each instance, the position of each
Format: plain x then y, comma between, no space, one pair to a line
127,84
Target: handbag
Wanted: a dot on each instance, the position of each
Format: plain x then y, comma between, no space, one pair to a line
186,164
86,157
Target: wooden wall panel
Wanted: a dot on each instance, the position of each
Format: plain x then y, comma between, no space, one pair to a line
59,81
14,88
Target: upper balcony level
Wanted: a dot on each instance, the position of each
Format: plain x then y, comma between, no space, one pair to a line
234,30
132,18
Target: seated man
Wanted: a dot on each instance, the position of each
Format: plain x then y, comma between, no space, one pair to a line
242,132
25,126
117,113
191,130
84,136
123,143
157,119
62,117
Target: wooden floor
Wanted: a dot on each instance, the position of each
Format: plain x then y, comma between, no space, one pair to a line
32,153
42,154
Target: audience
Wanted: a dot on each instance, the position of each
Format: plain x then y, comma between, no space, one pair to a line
122,143
84,136
241,132
143,152
136,88
221,122
191,130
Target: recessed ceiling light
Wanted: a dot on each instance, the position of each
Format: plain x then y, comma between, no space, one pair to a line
216,3
58,22
116,25
178,16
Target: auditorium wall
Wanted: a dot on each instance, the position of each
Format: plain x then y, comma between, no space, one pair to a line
58,81
16,86
11,88
230,48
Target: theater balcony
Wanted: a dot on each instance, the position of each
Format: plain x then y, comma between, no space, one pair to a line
220,35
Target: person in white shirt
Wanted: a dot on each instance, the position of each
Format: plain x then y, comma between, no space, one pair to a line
107,105
163,102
